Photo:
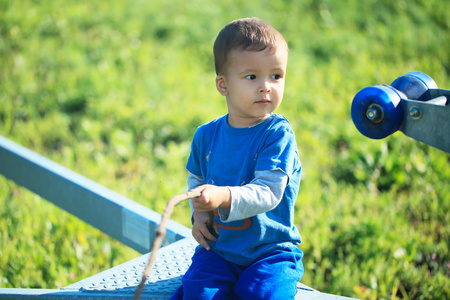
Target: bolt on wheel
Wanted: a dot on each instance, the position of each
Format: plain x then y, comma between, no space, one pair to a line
376,111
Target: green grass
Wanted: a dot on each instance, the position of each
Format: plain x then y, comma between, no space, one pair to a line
114,90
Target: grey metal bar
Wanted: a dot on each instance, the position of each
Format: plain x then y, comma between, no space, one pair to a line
121,218
428,121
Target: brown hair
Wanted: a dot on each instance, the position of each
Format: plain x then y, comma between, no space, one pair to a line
251,34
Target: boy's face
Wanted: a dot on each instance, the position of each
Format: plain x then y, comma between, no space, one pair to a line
253,85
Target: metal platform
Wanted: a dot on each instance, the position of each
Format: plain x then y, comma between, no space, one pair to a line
121,282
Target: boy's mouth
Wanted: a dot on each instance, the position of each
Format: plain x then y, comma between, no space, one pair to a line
263,101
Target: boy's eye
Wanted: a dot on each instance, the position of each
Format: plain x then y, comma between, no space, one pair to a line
276,76
250,77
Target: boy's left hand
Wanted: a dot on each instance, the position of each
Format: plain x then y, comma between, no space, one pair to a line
211,198
202,228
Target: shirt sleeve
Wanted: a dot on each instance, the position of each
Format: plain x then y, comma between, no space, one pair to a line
262,194
279,151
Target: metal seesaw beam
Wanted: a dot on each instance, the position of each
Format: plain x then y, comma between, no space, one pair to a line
121,218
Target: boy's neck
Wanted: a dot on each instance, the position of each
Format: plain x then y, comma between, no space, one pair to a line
247,123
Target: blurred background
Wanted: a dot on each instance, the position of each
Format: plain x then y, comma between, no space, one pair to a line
115,90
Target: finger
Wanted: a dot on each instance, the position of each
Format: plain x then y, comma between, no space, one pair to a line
194,193
201,240
199,205
204,231
207,234
198,190
201,233
200,208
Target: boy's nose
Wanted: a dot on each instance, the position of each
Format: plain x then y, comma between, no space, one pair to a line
265,88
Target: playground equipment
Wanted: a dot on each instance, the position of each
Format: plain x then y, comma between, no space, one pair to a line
121,218
412,104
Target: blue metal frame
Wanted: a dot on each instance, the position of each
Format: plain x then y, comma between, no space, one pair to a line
121,218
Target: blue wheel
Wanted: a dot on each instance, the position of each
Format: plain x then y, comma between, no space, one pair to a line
414,85
376,111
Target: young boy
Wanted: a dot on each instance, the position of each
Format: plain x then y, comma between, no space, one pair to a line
246,167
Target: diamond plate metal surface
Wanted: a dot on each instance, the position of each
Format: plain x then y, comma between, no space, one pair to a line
171,263
121,282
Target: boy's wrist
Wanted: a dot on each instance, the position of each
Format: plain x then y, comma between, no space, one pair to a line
226,198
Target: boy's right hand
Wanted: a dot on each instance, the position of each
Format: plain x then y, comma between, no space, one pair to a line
203,221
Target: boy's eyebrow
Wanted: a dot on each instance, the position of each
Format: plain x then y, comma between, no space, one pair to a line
246,71
253,70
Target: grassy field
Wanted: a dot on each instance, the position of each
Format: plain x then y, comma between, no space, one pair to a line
114,90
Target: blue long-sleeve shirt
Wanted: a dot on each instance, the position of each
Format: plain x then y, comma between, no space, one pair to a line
261,167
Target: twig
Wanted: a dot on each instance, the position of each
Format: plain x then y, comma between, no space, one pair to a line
159,237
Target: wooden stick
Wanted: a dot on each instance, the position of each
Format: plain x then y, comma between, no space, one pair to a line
159,237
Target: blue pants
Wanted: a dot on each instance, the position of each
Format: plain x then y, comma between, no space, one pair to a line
271,276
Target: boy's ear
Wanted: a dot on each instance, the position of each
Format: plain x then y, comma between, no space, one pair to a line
221,85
